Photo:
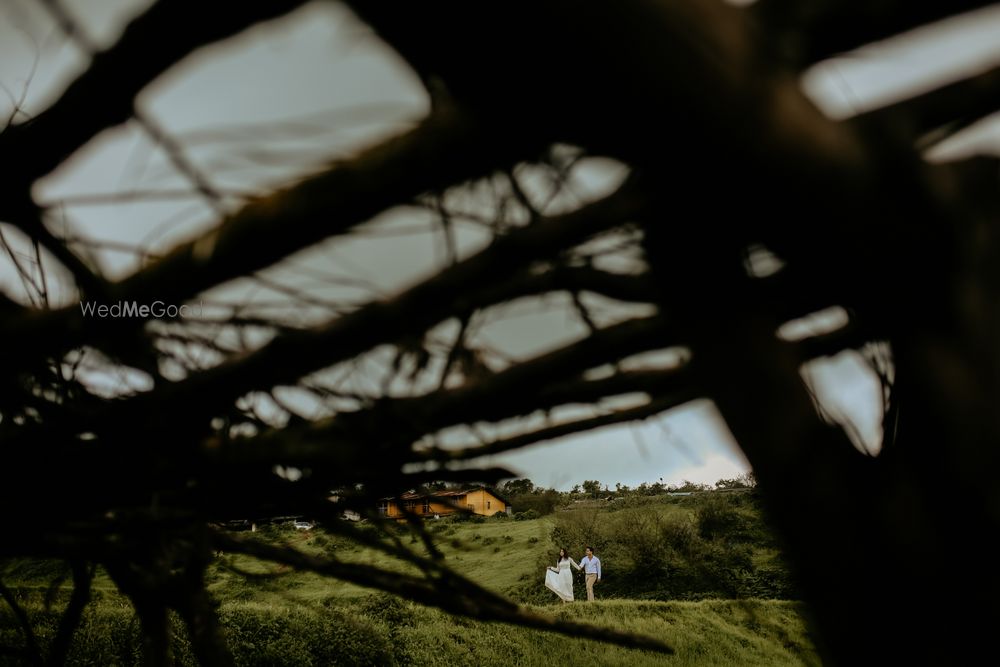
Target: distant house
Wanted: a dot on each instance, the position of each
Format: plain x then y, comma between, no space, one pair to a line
478,500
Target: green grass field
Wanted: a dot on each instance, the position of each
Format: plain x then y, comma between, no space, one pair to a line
500,555
709,632
295,618
372,630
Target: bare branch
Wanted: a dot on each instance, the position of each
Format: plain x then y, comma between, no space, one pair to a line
650,409
31,650
292,355
541,383
83,575
150,45
444,149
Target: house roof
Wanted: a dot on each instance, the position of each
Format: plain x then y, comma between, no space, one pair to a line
449,493
411,495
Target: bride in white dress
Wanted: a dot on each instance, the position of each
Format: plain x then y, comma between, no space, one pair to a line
559,579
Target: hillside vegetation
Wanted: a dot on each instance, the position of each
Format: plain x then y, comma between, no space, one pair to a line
669,565
381,630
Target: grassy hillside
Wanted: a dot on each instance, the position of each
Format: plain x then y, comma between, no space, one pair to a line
500,555
652,548
296,618
702,633
377,630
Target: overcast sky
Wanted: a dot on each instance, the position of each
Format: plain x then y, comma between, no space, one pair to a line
335,89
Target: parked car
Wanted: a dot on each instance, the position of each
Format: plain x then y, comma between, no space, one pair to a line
303,525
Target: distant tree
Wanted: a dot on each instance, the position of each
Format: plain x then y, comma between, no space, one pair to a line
591,487
542,501
517,487
524,496
744,481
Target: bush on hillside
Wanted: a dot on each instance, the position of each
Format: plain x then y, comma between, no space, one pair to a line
702,549
718,517
259,635
542,501
387,608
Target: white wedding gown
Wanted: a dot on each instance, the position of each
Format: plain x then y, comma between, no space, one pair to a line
561,582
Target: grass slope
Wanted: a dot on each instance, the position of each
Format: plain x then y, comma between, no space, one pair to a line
294,618
376,630
703,633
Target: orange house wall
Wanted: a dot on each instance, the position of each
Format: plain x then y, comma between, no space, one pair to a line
477,499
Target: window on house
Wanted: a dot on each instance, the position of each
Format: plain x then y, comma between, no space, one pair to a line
383,508
487,504
471,507
427,506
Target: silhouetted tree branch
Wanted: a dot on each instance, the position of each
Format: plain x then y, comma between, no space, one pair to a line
83,575
701,102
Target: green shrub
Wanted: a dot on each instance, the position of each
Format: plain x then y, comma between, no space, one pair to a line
259,635
387,608
719,517
703,549
264,635
542,502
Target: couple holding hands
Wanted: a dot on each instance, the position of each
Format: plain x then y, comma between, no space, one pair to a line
559,579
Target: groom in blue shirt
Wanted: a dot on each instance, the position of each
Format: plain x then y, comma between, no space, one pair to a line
592,571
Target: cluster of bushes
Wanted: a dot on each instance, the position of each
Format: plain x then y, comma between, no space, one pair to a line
540,503
525,497
705,547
